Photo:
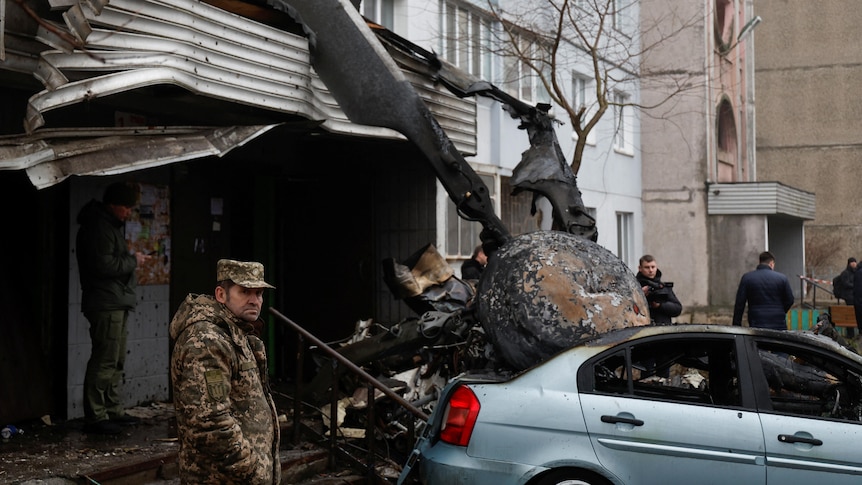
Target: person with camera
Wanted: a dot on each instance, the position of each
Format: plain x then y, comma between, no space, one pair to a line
663,303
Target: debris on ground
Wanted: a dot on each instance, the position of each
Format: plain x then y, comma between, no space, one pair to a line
61,451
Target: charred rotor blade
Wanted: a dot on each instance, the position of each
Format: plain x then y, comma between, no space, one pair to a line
543,168
371,90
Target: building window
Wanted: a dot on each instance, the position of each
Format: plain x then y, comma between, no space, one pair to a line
726,154
622,14
623,123
468,40
579,91
519,79
462,236
465,38
580,87
625,237
525,73
723,24
380,11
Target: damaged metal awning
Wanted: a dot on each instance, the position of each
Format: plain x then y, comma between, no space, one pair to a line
108,47
50,156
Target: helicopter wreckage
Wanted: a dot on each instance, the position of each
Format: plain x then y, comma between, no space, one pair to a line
540,292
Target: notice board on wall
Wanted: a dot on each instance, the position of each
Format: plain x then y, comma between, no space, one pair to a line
148,231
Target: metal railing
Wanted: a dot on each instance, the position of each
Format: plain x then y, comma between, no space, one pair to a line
815,284
372,384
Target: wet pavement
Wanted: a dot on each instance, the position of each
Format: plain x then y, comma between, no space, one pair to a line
60,453
54,453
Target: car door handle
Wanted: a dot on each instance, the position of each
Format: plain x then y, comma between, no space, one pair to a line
618,419
789,438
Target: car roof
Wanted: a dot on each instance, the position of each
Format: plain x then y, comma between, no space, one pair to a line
595,345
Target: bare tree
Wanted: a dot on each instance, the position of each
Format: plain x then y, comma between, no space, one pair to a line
820,248
549,39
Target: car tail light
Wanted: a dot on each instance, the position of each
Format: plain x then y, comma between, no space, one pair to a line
461,414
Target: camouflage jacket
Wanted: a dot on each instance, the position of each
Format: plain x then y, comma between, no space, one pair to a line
226,419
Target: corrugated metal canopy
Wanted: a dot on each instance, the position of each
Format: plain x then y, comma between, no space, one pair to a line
128,45
50,156
765,198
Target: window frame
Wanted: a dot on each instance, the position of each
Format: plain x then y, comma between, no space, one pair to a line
623,123
581,84
467,49
625,236
380,11
622,21
462,250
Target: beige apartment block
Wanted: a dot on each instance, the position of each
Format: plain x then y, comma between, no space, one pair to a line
809,111
709,210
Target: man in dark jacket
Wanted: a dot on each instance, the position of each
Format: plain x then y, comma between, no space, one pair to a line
473,267
107,273
842,285
663,303
767,293
857,299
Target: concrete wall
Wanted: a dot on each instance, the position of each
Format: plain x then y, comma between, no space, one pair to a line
146,371
786,242
674,142
704,255
808,69
735,243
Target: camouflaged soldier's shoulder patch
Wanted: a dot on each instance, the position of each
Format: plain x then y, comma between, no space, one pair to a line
217,385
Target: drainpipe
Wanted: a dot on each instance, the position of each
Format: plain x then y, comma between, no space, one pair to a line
712,169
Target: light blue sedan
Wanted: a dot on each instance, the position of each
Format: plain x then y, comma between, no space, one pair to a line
682,404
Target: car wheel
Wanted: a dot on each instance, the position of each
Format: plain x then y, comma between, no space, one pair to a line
570,477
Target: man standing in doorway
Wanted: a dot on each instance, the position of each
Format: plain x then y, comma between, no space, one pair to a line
108,281
767,293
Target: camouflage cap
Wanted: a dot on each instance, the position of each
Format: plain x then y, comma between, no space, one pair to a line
243,273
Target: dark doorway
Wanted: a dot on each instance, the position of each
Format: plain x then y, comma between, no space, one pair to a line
327,254
33,290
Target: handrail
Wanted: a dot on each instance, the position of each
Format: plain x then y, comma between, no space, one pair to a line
352,367
816,284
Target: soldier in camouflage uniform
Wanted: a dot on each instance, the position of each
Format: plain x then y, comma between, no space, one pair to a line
226,419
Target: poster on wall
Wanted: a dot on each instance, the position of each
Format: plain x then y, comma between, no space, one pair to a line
148,232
